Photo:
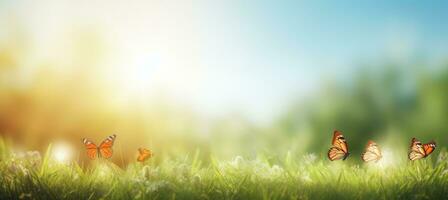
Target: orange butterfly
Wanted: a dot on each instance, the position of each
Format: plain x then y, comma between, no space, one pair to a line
104,150
372,152
144,154
339,150
419,150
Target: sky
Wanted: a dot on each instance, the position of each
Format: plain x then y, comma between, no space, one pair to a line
253,57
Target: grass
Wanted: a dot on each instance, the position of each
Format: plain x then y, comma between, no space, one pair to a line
30,176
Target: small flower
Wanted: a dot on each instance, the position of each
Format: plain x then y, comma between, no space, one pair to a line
309,158
443,157
306,178
197,178
157,186
237,161
182,171
276,170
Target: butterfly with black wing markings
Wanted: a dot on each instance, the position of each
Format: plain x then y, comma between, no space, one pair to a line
339,149
104,150
419,150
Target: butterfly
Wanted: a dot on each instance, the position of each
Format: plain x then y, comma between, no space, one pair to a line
144,154
339,150
419,150
104,150
372,152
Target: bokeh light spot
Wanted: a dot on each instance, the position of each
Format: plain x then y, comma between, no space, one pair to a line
62,152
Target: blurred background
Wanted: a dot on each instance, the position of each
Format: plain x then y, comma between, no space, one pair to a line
227,78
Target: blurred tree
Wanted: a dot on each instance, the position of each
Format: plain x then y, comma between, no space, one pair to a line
374,102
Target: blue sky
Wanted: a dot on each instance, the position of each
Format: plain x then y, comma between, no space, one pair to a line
319,29
284,49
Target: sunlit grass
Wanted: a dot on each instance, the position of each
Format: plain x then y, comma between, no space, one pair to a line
30,176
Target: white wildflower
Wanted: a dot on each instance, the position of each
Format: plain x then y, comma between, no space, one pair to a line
182,171
309,158
443,157
306,178
157,186
276,170
237,161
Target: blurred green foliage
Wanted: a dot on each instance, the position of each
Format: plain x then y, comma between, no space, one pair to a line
389,101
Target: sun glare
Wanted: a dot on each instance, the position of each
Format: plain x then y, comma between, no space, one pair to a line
138,76
387,160
61,153
143,75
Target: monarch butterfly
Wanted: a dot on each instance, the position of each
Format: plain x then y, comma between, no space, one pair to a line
339,150
419,150
103,150
372,152
144,154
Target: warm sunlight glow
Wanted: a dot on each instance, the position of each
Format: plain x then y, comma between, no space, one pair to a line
61,153
388,159
137,76
146,74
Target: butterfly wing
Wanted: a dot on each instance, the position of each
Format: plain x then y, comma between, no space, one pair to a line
415,155
339,141
336,154
429,148
105,147
144,154
91,148
339,150
371,153
417,151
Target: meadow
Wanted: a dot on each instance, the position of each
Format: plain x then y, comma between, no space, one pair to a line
237,101
230,156
30,175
